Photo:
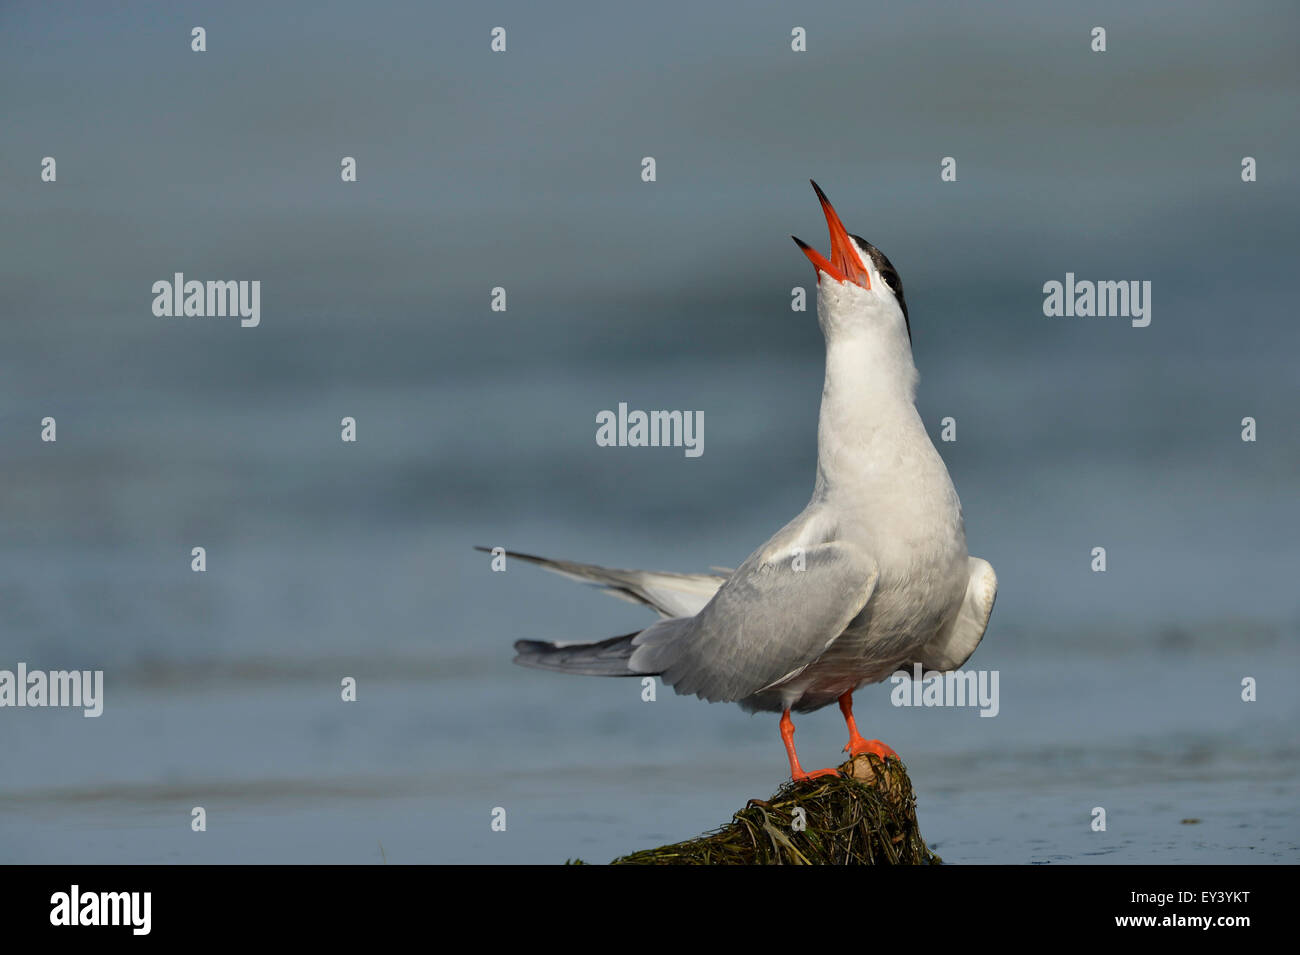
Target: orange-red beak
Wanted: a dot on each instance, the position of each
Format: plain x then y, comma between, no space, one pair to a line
844,264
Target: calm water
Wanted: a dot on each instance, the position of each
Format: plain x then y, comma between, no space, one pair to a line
326,560
418,765
1118,690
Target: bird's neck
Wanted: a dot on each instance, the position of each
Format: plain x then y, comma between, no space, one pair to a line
868,406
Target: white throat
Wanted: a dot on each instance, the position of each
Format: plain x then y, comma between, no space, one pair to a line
868,410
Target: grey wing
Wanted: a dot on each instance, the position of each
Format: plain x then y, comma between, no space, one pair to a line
954,645
766,622
668,594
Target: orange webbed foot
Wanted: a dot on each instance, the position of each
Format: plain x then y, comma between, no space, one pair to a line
861,747
816,773
857,746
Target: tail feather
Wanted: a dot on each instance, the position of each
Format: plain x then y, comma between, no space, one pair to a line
668,594
676,598
612,657
604,658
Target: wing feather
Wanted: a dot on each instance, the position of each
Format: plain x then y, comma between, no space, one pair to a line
954,645
769,619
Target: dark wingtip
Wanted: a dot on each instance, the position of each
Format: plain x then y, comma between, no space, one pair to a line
800,242
820,195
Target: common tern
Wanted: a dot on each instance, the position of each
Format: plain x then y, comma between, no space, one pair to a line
872,577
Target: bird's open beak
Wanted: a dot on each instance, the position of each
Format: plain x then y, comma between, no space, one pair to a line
844,264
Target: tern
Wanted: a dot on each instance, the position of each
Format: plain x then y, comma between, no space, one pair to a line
872,577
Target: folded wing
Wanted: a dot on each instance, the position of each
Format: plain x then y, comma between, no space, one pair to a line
772,617
954,645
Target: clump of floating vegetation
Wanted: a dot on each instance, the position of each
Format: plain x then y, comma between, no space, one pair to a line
866,815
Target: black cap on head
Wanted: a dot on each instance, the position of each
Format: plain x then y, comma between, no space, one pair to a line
889,274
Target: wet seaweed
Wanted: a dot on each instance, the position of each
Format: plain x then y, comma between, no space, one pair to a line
865,815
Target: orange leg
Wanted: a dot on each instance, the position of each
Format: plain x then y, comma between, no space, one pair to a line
796,771
857,746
